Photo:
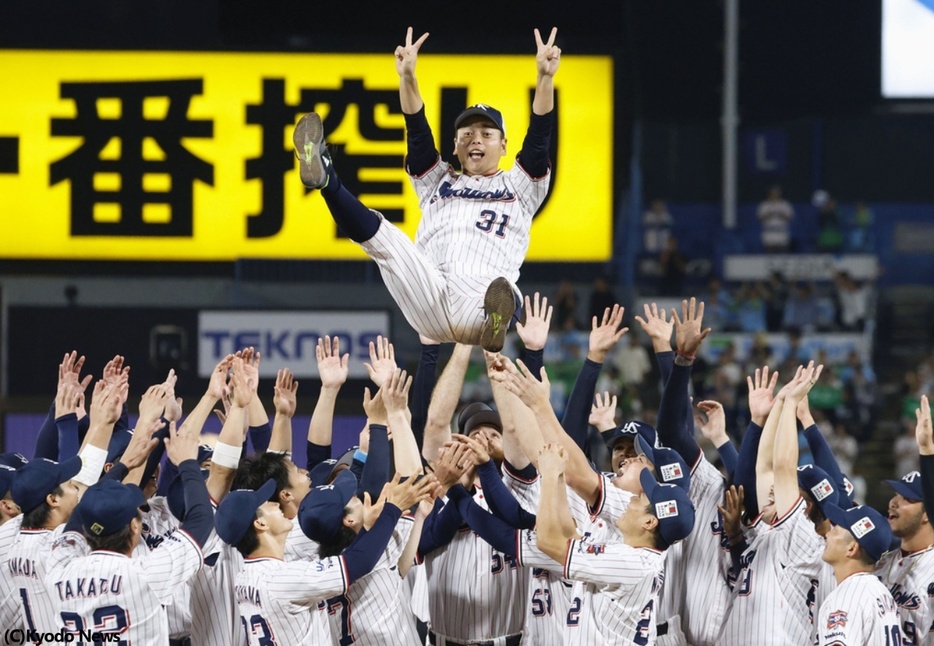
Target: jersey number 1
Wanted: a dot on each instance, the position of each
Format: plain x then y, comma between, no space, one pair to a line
488,220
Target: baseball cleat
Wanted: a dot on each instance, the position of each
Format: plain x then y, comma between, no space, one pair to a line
500,305
313,158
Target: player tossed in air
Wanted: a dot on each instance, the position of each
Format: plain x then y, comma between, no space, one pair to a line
457,282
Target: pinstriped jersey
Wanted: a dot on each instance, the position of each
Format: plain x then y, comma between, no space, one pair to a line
114,593
9,593
215,618
28,561
772,598
910,580
158,525
299,547
278,600
477,225
696,569
826,583
375,610
859,612
475,592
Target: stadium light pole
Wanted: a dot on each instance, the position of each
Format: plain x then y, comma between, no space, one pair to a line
730,116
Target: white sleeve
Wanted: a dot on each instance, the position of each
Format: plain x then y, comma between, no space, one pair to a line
528,554
611,502
800,543
396,544
305,583
614,564
66,548
426,183
531,192
170,565
527,492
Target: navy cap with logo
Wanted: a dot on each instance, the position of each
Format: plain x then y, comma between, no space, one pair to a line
670,467
671,506
205,452
13,460
629,430
870,528
237,511
482,110
36,480
909,486
109,506
816,482
321,473
322,511
6,479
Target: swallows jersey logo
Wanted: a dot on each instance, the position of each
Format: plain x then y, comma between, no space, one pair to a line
446,191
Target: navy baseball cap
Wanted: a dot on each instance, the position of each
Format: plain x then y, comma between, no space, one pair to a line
909,486
36,480
483,418
671,505
670,467
870,528
205,452
6,478
817,483
13,460
482,110
469,411
848,490
118,443
321,473
175,496
630,429
237,511
322,510
109,506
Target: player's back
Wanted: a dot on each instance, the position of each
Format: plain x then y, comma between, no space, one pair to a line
9,594
28,561
910,580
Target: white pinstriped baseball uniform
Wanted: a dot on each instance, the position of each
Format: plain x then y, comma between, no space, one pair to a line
616,589
473,230
859,612
826,583
9,594
375,610
772,594
278,599
28,561
476,593
299,547
109,592
215,618
910,580
697,569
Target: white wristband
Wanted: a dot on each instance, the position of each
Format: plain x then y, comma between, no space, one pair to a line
92,464
227,455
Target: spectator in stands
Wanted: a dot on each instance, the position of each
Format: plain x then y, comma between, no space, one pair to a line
852,302
750,307
906,449
565,304
846,449
674,269
775,300
775,215
718,306
802,309
632,361
601,298
656,226
860,236
725,381
829,232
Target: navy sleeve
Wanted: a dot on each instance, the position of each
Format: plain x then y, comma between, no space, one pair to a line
440,527
363,554
166,476
315,454
824,458
47,438
502,503
745,474
534,154
665,361
675,423
927,485
376,469
155,457
260,436
68,443
534,361
730,457
199,515
421,153
426,376
736,564
117,472
580,403
490,528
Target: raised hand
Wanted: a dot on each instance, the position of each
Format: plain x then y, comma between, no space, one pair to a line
217,385
478,453
605,334
285,399
69,371
152,403
732,511
534,333
107,402
250,363
375,407
382,361
407,55
407,494
547,56
923,432
242,386
714,429
804,381
552,460
395,392
114,370
332,367
181,445
689,331
603,412
657,326
453,461
141,444
760,394
519,380
173,404
66,397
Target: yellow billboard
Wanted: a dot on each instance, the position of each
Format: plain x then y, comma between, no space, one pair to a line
188,156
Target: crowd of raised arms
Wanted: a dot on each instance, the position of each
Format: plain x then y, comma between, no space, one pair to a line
487,525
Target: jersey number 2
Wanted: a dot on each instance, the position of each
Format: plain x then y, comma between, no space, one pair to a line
488,220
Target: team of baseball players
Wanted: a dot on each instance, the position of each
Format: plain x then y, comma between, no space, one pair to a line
500,534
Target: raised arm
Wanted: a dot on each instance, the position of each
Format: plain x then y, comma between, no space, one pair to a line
785,457
765,470
713,427
534,332
332,371
760,405
547,58
404,448
258,419
820,450
554,515
444,402
925,438
285,401
229,442
406,57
